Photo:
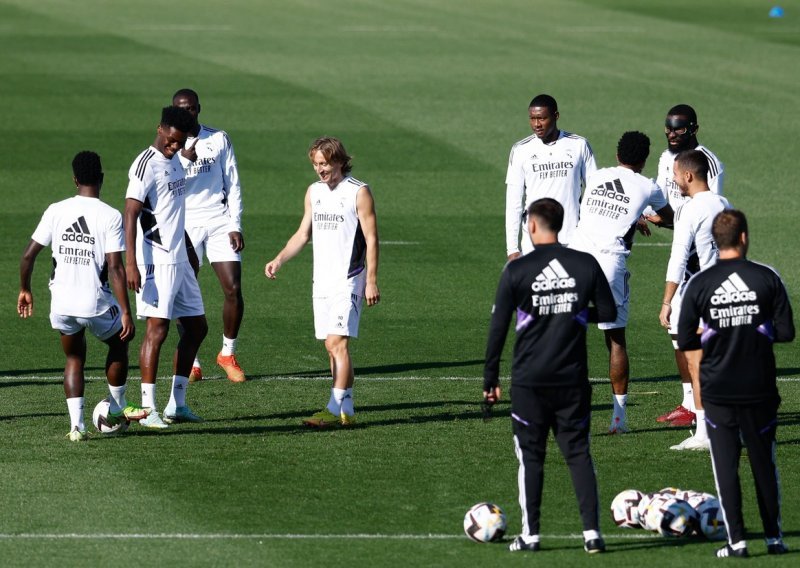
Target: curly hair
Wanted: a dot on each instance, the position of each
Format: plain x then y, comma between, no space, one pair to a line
177,118
633,148
87,169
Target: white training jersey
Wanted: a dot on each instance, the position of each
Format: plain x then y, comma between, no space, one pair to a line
80,230
212,181
340,248
159,183
612,202
537,170
665,180
692,235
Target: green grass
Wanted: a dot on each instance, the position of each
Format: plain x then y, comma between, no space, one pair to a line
429,96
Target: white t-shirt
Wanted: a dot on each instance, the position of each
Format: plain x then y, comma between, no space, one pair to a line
612,202
665,180
692,234
212,181
537,170
80,230
159,183
340,248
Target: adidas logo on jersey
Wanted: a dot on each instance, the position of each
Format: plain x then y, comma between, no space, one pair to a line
732,290
612,190
553,277
78,232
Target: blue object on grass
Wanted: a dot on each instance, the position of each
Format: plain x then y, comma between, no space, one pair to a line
776,12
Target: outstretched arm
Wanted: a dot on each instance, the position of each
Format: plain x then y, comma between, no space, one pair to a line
365,207
25,299
295,243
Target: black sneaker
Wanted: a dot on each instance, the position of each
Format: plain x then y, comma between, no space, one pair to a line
595,545
777,548
726,551
519,544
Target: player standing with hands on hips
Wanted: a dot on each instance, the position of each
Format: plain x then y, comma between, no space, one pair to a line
550,290
214,223
87,241
745,309
339,212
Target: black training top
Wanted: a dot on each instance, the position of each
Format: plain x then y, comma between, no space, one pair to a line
745,309
550,289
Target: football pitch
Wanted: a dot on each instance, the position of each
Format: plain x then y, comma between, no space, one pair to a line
429,96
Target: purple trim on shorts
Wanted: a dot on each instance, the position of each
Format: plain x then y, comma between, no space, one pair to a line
769,426
519,419
582,317
708,333
524,319
710,423
767,329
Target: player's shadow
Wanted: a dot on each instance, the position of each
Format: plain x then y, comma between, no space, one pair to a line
394,368
24,416
46,373
31,383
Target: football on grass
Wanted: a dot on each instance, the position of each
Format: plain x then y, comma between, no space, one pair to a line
624,509
103,422
485,522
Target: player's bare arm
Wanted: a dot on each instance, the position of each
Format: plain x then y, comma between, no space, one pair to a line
365,207
666,304
25,299
133,208
296,242
118,282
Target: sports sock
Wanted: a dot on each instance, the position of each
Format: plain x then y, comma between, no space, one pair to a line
118,396
335,402
688,396
149,395
530,538
590,535
771,541
228,346
196,363
347,402
620,404
739,545
75,407
178,395
702,431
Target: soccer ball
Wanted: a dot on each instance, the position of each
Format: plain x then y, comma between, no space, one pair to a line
672,517
103,423
644,507
485,522
697,497
712,523
624,509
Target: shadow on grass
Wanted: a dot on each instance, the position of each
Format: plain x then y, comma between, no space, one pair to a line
381,370
23,416
45,373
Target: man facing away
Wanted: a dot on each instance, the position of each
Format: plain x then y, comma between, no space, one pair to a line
339,212
86,237
161,264
744,309
550,290
214,223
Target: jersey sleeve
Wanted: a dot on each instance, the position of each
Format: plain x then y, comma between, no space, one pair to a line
782,320
140,179
589,163
657,199
715,183
682,239
233,189
689,320
515,194
44,230
115,236
498,329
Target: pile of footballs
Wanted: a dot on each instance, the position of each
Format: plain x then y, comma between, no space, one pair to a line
671,512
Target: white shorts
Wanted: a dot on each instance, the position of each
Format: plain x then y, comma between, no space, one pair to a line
675,314
169,291
615,269
337,315
213,242
102,326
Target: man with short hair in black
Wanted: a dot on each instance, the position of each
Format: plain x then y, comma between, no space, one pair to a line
550,290
745,309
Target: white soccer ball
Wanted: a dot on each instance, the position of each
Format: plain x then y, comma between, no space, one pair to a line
712,522
673,517
624,509
644,508
485,522
697,497
103,423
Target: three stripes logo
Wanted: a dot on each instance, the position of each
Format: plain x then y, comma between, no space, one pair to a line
553,277
78,232
612,190
733,289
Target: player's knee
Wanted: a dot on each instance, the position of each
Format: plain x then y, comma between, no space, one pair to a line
336,345
233,291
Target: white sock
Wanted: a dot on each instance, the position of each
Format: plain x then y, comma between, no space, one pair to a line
118,396
228,346
530,538
347,402
178,395
196,363
75,407
590,535
688,396
149,395
620,404
335,402
702,431
740,544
